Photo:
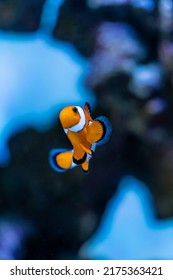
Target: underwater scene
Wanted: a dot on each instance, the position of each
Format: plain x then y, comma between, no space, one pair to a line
86,129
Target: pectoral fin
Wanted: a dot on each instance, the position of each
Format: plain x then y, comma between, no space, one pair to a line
88,151
95,132
99,131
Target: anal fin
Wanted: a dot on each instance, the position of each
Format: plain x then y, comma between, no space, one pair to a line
79,155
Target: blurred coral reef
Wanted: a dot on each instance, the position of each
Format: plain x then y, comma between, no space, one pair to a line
128,50
20,16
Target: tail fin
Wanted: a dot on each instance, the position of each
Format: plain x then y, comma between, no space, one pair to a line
61,159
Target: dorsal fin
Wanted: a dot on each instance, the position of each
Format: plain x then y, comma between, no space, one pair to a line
87,108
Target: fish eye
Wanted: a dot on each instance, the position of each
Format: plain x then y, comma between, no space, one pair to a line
75,110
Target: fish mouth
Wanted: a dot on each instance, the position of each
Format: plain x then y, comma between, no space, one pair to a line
65,127
66,124
68,127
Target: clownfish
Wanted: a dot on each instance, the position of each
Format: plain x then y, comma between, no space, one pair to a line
84,134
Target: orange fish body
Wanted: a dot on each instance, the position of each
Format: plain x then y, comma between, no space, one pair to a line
84,133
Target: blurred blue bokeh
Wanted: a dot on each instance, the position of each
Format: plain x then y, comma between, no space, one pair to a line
129,228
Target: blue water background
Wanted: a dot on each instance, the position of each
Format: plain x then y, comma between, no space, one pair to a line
38,76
